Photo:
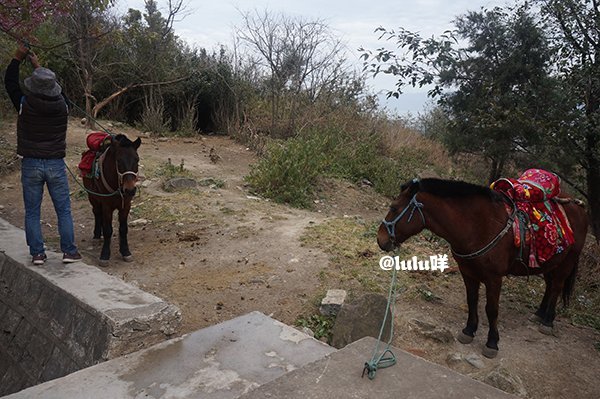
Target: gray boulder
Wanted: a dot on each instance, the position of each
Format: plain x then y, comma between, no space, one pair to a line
505,380
180,183
361,318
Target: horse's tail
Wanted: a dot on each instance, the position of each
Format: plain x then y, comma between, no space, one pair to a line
569,285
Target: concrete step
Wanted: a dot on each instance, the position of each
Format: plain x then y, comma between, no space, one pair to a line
59,318
339,376
223,361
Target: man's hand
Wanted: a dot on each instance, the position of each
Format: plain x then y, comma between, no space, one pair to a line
32,57
21,52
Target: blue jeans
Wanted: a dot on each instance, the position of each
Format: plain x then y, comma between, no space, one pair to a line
52,172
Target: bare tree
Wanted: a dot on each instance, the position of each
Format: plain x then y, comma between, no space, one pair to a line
299,58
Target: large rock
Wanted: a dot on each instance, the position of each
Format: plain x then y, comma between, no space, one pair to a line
503,379
361,318
332,303
180,183
430,330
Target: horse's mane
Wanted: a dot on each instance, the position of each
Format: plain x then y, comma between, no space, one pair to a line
451,189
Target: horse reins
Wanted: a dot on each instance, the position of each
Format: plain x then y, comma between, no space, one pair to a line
416,205
493,243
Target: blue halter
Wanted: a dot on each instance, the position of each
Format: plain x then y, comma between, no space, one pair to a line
415,205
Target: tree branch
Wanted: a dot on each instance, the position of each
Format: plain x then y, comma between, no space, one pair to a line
122,90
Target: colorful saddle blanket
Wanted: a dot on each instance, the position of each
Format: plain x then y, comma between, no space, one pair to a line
548,231
96,142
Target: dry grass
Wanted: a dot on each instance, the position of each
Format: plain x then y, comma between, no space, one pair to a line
585,303
354,257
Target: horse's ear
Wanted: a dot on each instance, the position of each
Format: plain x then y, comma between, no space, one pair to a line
411,187
137,143
415,186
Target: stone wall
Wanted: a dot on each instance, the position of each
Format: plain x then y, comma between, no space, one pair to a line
46,332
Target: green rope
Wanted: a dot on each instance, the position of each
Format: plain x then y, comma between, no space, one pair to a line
90,117
90,191
382,361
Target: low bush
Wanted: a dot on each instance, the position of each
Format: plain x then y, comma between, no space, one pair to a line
289,170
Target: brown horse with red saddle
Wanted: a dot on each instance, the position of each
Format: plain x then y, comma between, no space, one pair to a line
481,226
109,176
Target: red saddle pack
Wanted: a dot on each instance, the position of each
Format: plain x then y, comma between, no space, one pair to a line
548,231
96,142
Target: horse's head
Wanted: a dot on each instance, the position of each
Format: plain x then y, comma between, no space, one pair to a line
127,163
404,219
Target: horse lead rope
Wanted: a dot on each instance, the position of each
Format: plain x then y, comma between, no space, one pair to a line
380,361
85,189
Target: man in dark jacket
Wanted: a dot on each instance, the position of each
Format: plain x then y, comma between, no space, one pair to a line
41,141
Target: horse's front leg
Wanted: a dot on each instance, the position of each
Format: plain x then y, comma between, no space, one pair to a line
467,334
492,291
97,209
107,231
123,229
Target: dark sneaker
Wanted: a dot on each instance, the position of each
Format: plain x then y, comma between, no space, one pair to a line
70,258
39,259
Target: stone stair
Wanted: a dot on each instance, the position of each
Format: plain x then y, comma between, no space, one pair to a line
223,361
256,357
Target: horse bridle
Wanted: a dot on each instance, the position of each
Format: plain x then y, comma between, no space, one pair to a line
120,176
413,205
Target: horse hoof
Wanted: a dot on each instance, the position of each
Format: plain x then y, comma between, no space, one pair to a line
490,353
103,262
535,318
546,330
464,338
128,258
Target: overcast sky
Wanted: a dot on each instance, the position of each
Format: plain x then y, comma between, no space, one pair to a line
211,23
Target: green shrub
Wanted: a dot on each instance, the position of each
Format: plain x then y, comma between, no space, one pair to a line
288,171
168,170
320,325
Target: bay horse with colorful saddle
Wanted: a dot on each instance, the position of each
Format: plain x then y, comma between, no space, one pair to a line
491,235
110,171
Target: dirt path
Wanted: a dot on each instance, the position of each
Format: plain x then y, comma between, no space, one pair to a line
220,252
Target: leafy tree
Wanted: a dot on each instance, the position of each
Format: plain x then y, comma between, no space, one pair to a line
491,76
576,28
